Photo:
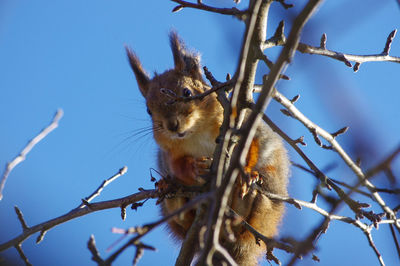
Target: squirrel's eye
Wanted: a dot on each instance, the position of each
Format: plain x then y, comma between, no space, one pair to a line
148,111
187,92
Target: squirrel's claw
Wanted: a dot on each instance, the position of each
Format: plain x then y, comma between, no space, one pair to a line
202,166
247,181
161,185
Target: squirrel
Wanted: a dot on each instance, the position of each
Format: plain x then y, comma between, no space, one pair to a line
186,133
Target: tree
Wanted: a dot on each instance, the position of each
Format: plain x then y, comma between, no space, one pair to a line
255,47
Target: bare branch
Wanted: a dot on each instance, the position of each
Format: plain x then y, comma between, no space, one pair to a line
316,130
389,41
286,6
21,157
239,14
372,244
78,212
21,218
346,58
396,241
22,255
93,249
242,148
191,243
97,192
141,231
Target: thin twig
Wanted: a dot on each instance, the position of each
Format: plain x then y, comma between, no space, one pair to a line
21,219
22,255
21,157
373,246
93,249
318,131
78,212
149,227
396,241
239,14
87,200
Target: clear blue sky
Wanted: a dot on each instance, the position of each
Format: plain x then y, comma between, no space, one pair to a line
70,55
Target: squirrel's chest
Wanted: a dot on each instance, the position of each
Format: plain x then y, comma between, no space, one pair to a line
198,145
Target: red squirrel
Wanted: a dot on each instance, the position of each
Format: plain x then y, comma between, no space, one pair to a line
186,133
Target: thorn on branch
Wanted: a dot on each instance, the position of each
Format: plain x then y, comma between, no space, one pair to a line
327,147
123,212
41,236
315,258
286,112
343,58
300,141
314,196
21,218
285,6
389,41
356,66
295,204
295,98
315,135
322,44
339,132
277,39
136,205
239,14
177,9
86,203
280,31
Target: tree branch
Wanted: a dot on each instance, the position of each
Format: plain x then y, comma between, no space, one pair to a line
239,14
248,131
316,130
78,212
358,59
21,157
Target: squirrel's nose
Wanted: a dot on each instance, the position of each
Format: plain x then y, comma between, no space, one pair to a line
173,125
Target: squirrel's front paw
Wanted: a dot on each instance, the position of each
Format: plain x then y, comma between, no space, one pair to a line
247,180
162,185
202,166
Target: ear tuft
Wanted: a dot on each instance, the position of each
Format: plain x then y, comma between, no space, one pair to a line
142,77
186,62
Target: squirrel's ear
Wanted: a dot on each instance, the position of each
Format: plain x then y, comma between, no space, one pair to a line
185,61
142,77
